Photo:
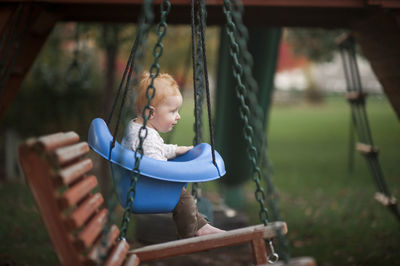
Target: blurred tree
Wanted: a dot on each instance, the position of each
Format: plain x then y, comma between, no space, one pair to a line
60,92
319,45
176,58
110,41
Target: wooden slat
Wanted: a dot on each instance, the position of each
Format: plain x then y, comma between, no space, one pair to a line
77,192
67,154
118,254
69,174
385,200
300,261
89,234
132,260
38,177
196,244
259,250
57,140
81,214
28,144
343,38
356,96
367,149
103,246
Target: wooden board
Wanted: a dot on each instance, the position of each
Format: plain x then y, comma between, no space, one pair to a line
196,244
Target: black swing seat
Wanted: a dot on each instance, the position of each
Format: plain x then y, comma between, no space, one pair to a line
56,171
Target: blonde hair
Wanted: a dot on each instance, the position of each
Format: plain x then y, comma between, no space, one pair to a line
165,86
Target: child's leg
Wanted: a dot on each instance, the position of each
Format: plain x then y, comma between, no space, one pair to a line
189,222
186,217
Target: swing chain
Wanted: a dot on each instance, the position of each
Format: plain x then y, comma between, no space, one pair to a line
143,28
147,111
199,92
257,121
198,86
246,59
244,111
135,54
154,72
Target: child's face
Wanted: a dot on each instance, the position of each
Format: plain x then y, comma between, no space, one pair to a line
166,114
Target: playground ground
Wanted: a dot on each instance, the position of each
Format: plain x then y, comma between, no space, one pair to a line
331,214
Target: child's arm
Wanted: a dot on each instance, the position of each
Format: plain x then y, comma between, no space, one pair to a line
172,150
182,150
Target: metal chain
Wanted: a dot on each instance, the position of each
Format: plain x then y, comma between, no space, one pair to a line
246,60
257,121
128,68
272,201
137,68
145,22
199,88
244,112
202,25
147,111
198,84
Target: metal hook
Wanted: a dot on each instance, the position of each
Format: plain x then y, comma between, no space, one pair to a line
272,255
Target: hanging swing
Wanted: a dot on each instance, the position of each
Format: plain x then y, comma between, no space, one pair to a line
160,183
76,218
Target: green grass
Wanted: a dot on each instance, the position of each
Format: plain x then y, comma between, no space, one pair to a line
24,240
331,214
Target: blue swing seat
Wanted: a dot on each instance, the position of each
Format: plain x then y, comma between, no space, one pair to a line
160,184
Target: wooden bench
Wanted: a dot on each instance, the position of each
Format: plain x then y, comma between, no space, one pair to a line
58,175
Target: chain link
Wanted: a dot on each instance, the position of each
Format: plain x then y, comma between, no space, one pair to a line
147,111
132,66
246,59
199,98
245,77
244,110
257,122
199,87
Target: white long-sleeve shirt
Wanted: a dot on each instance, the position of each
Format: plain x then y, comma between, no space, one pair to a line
153,145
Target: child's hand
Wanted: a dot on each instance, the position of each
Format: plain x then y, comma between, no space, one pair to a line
183,149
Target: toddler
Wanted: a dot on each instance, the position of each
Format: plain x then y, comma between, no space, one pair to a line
165,115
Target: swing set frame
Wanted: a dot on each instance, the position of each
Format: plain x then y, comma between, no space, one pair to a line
49,162
93,244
